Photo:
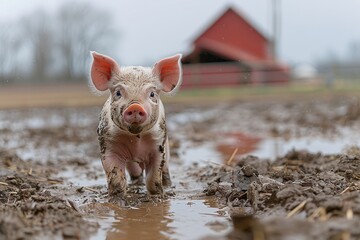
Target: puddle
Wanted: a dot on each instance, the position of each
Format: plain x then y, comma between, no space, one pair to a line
93,175
270,148
38,118
245,144
219,151
201,154
178,119
173,219
255,142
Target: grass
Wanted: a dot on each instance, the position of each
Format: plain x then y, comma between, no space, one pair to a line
288,91
27,96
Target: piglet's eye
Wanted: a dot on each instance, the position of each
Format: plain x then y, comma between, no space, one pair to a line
118,93
152,94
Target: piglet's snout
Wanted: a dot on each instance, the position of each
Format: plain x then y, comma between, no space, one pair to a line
135,114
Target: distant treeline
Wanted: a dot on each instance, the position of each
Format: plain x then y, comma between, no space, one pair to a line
52,47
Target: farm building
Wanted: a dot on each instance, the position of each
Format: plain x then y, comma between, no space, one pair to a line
231,51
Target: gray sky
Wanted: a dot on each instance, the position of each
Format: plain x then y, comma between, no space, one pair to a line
154,29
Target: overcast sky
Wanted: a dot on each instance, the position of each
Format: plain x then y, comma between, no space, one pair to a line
152,29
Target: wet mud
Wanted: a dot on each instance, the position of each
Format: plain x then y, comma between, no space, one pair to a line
227,184
301,194
28,206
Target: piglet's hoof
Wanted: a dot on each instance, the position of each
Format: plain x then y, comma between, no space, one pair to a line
116,193
166,181
155,188
116,182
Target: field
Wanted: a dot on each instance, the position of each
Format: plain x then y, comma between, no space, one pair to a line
79,94
280,162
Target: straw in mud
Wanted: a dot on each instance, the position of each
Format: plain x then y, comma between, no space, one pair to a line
321,213
297,209
345,190
232,156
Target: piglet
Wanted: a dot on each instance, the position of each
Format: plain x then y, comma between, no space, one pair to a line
132,129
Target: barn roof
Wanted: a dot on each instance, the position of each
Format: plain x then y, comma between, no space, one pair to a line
235,41
241,16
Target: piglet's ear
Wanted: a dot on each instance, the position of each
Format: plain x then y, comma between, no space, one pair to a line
102,69
170,72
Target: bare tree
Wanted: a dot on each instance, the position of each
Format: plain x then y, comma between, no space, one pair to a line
81,28
354,52
37,29
10,42
53,46
4,52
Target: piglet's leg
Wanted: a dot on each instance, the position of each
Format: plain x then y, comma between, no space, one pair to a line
136,172
166,180
154,176
115,172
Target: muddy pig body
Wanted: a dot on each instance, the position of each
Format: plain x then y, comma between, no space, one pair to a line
132,129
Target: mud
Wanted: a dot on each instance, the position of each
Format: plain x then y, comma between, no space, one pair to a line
301,194
29,208
226,185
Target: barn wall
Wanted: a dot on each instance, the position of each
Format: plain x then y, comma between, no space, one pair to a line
207,75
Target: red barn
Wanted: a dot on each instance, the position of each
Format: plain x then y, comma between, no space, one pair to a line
231,52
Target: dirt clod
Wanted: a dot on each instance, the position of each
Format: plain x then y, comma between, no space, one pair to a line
301,196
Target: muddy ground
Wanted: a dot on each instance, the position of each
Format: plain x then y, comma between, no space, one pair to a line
52,184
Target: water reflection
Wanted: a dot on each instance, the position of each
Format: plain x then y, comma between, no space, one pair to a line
272,147
149,221
173,219
245,143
